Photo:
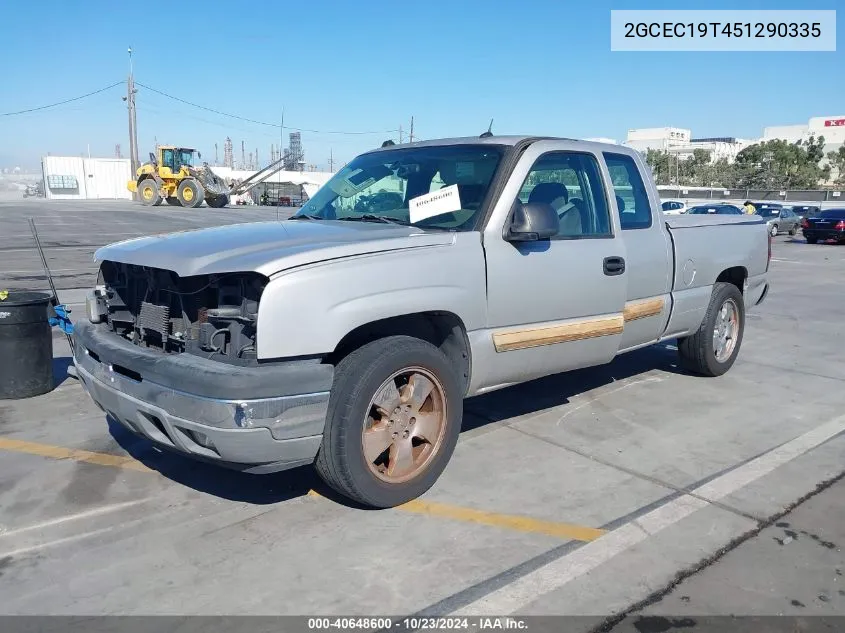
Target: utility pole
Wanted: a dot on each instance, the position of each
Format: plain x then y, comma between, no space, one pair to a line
401,138
411,135
256,158
216,157
282,133
243,155
331,160
133,126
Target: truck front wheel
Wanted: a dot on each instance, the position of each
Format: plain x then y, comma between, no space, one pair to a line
393,421
712,350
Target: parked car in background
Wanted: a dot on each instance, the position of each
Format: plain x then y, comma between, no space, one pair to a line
780,220
674,207
717,209
805,211
827,225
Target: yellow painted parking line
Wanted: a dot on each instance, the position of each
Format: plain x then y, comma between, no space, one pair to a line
567,531
60,452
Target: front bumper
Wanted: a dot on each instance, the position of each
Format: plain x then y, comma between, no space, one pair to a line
254,419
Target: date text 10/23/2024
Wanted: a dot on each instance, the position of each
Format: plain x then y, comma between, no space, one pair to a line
728,30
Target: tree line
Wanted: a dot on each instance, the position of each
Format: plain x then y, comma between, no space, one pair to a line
775,164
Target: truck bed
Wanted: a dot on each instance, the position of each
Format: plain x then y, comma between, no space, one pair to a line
704,247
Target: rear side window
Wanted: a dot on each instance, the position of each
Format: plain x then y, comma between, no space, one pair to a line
631,199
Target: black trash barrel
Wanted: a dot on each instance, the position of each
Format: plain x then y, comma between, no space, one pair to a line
26,345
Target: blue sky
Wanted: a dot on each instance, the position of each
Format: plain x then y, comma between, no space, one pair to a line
535,66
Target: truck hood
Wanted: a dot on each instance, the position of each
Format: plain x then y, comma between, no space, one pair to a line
266,247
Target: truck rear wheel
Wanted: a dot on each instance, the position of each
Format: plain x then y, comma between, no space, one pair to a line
148,192
712,350
189,193
393,421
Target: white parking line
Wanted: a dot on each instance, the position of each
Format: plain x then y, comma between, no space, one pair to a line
561,571
115,507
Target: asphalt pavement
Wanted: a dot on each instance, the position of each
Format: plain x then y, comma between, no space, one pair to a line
580,494
794,567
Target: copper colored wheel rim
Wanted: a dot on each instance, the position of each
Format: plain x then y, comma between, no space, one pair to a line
405,425
726,330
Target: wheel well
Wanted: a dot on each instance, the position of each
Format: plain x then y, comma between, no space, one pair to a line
442,329
736,276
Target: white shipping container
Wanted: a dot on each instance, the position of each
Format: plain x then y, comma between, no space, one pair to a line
77,178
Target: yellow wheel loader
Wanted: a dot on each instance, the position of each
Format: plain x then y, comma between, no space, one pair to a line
171,175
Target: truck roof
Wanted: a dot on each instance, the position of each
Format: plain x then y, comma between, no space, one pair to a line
505,139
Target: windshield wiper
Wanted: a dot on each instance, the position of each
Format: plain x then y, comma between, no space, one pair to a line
370,217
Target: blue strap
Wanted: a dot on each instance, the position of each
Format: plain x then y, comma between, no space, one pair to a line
62,320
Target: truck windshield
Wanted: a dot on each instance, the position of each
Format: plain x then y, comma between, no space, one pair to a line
440,187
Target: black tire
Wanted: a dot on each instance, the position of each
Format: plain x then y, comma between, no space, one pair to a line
696,352
190,193
148,193
811,240
218,202
340,460
173,201
793,230
774,230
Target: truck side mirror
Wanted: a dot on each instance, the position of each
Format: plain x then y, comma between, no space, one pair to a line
532,222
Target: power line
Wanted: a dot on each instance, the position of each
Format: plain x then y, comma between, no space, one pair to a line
235,116
53,105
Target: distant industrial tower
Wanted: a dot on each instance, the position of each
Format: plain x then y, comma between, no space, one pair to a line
117,151
228,155
293,154
243,155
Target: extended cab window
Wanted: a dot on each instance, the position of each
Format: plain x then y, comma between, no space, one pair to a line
571,183
631,198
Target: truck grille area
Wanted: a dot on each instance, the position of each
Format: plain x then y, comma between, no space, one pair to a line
214,316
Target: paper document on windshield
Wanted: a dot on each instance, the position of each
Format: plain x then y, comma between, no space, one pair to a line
428,205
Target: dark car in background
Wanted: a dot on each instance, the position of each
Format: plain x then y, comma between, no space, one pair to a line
719,209
827,225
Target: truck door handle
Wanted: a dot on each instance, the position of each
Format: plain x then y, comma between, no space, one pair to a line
614,266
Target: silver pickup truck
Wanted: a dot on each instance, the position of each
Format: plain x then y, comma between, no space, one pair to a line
349,335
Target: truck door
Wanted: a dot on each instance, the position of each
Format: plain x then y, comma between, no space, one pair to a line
555,304
649,252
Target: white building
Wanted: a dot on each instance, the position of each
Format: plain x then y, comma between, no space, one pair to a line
718,148
290,184
659,138
832,128
679,142
78,178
